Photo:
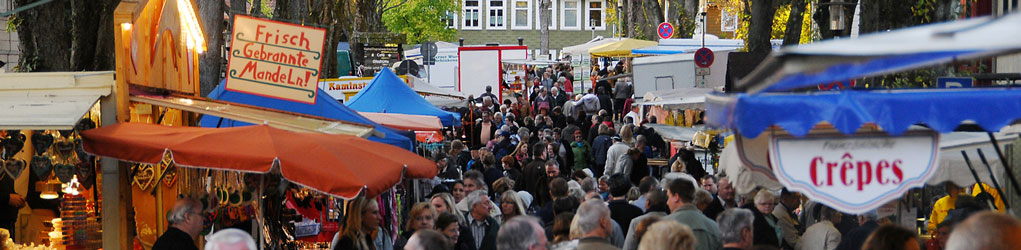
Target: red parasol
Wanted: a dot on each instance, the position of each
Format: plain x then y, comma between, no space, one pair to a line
340,165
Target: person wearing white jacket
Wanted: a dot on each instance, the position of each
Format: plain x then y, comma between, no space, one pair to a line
613,155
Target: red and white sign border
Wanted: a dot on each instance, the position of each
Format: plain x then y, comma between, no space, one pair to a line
835,202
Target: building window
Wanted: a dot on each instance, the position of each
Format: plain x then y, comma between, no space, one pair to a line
594,17
522,18
571,18
451,19
496,13
471,14
552,14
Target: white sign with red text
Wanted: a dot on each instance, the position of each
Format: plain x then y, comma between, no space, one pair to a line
854,174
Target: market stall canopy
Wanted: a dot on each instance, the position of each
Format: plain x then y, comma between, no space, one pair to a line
324,107
674,133
427,89
884,52
244,113
405,122
682,98
894,111
339,165
56,100
582,49
620,48
388,94
530,62
952,166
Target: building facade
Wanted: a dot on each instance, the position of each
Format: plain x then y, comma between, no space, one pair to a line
572,22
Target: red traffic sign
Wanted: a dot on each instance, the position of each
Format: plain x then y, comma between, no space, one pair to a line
839,85
666,30
704,57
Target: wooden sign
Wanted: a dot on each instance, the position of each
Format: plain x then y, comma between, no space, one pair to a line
275,59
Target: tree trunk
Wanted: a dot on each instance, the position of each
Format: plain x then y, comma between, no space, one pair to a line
104,57
211,61
629,8
792,36
84,28
544,27
45,37
761,26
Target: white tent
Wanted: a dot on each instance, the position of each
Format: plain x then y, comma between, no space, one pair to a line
582,49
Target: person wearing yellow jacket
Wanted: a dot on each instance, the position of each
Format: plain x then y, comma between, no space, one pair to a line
1000,207
942,206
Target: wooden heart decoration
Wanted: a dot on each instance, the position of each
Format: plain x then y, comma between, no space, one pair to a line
41,142
84,171
80,151
144,176
170,175
87,183
41,166
14,167
64,172
13,143
64,147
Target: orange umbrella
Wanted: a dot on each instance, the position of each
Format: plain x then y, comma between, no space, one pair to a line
340,165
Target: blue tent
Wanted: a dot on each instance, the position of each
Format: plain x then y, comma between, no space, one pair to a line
387,93
325,107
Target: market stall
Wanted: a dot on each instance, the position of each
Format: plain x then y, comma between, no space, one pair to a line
871,133
620,48
341,166
388,94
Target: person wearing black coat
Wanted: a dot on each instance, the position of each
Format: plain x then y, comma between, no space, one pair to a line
477,140
605,101
764,233
10,202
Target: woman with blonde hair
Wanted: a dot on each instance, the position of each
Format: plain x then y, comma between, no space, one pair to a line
627,134
422,216
667,234
444,203
511,205
360,225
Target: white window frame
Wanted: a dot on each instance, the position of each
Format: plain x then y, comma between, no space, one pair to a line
464,17
602,15
514,14
553,15
577,16
503,17
453,17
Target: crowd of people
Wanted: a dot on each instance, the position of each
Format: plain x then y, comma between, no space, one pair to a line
561,170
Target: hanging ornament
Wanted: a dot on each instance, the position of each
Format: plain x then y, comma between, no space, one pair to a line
41,166
144,176
84,170
14,167
64,172
170,175
12,144
41,142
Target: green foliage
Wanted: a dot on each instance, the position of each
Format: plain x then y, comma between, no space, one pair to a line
422,20
12,23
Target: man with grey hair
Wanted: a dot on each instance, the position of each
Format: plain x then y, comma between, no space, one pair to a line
483,227
986,230
521,233
230,239
558,97
185,224
594,225
736,229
